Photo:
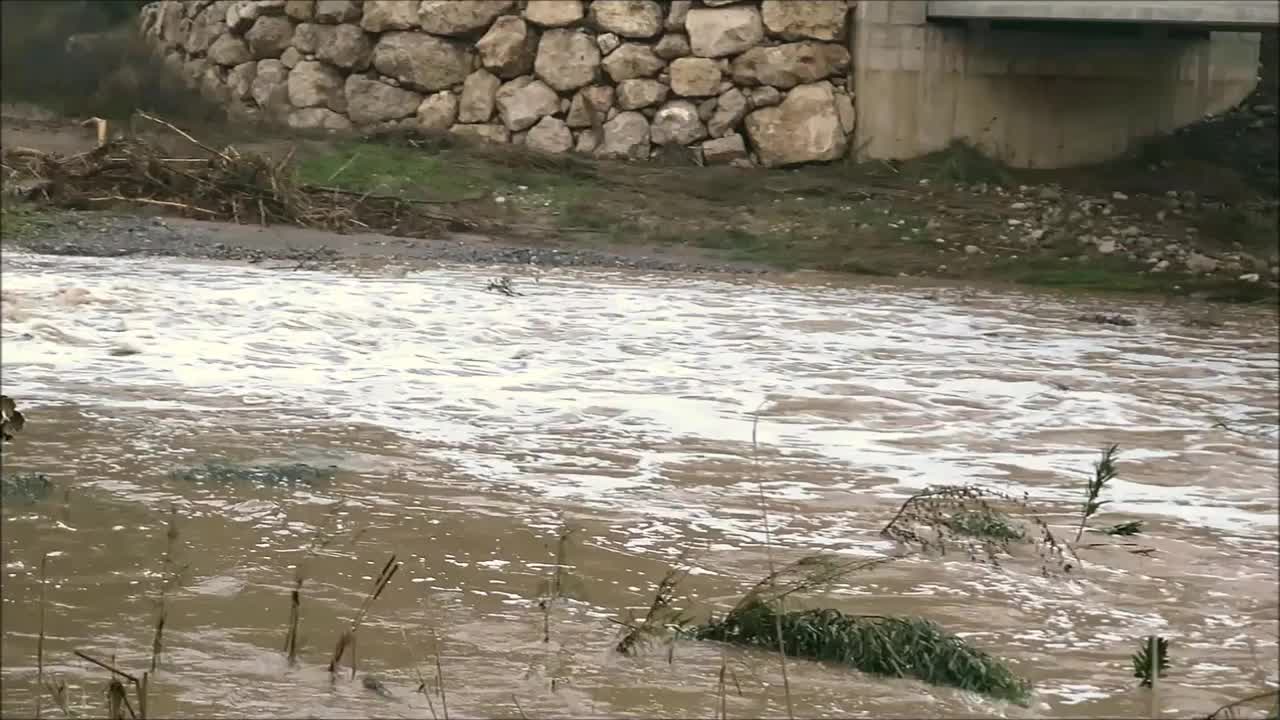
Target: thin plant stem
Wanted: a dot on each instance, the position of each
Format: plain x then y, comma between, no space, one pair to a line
722,689
768,546
167,576
444,698
1153,653
1226,711
423,687
1103,472
44,564
346,641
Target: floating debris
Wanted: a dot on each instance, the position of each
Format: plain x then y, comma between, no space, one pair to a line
224,473
11,421
502,285
1105,319
1202,322
1124,529
375,684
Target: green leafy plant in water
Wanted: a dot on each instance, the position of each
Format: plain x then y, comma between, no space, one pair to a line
984,523
1142,660
224,473
662,621
25,488
1104,471
889,646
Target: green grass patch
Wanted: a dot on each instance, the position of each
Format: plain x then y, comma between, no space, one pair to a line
383,169
217,472
1086,278
20,220
443,169
25,488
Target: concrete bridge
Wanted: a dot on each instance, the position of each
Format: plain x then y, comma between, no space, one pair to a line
1215,14
1047,83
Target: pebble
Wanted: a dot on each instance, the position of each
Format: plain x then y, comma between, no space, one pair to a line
1250,277
1106,247
1117,195
972,250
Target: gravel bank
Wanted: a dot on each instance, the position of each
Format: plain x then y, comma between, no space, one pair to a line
91,234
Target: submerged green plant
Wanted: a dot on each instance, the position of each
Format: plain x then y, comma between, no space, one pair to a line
224,473
985,523
1142,660
1124,529
890,646
25,488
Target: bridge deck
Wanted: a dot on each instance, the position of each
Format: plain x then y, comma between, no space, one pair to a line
1235,14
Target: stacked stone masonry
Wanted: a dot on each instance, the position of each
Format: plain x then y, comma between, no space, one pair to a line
736,81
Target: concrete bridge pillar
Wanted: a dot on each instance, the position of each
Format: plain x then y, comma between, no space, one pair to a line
1045,95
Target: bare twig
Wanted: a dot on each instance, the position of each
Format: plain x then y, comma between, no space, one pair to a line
106,666
184,134
148,201
140,686
1228,710
397,198
343,167
518,708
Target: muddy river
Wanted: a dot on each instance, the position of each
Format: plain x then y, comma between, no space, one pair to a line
461,429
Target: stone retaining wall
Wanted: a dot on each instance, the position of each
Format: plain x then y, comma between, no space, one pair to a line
736,81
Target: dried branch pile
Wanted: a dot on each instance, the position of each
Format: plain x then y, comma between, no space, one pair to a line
219,185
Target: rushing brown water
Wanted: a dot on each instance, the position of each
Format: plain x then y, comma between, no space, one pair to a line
465,427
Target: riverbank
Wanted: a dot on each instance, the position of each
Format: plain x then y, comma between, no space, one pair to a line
1193,215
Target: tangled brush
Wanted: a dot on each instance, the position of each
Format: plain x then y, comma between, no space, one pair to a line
219,185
